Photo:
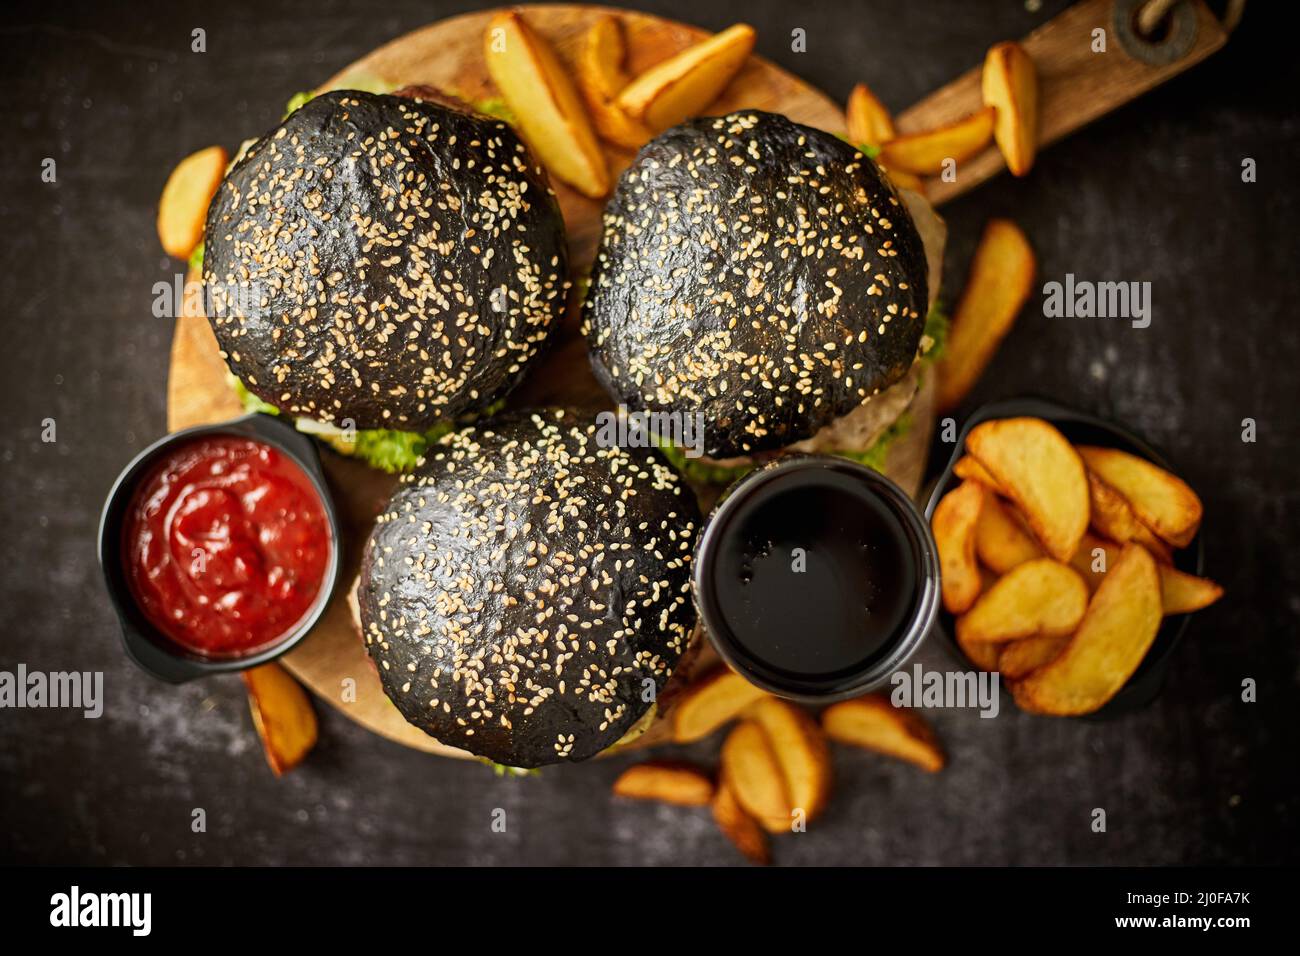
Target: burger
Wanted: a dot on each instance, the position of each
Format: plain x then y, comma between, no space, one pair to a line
525,594
382,266
767,277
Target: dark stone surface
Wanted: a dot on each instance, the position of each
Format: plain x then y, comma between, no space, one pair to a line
1152,193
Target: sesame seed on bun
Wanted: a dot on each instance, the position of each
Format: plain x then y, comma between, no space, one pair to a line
762,273
526,592
384,260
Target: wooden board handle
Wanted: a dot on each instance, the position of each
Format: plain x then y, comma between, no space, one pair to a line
1076,85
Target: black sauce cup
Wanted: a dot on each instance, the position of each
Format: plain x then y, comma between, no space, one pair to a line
145,644
1081,428
917,543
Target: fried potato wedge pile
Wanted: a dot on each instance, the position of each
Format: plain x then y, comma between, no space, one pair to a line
1061,566
563,110
775,770
541,94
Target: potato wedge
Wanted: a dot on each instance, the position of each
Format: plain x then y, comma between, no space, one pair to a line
924,153
683,85
970,469
1181,593
1109,644
1094,558
708,703
1042,473
185,198
282,714
550,114
1001,540
868,122
1113,518
1040,597
739,827
601,79
751,770
873,723
801,752
1000,282
1010,85
1162,501
955,520
983,654
666,781
1019,659
904,180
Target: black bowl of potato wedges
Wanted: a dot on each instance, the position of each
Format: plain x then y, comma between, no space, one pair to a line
1071,558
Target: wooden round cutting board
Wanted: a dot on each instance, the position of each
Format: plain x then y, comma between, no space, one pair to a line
332,660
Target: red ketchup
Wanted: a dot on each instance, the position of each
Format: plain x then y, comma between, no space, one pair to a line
226,545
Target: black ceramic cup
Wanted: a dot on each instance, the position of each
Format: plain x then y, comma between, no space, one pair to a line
1083,429
859,606
153,650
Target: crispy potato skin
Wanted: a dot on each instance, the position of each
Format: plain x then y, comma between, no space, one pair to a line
1109,644
873,723
955,521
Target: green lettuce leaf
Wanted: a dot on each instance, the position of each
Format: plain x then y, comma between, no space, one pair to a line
387,449
497,108
196,259
937,325
875,456
297,102
505,770
250,401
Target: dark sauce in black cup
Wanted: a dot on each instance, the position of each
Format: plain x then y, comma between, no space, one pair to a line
816,577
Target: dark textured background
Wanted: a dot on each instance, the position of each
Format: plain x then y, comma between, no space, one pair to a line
1152,193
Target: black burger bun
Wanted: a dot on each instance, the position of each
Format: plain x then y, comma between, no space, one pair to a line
525,595
762,273
384,260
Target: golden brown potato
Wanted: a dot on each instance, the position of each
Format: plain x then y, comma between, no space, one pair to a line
1109,644
666,781
1018,659
1040,597
1042,473
710,702
1113,518
185,199
550,114
968,468
1001,539
801,752
751,770
983,654
682,86
902,179
1000,282
1010,85
1181,593
1162,501
868,122
955,520
1094,557
873,723
739,827
282,714
924,153
601,79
